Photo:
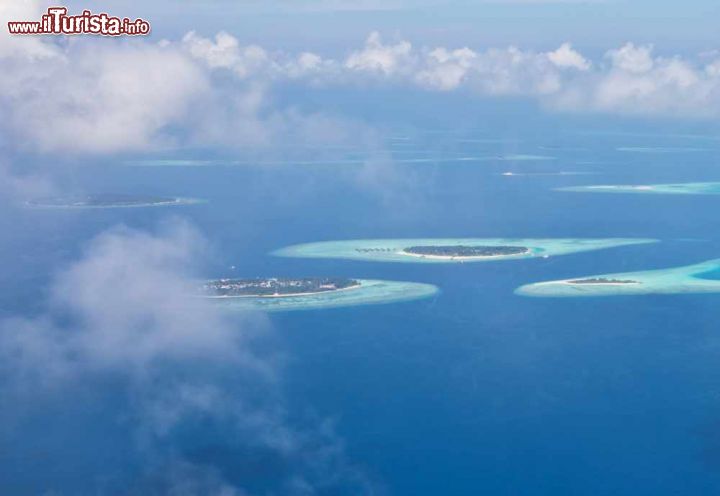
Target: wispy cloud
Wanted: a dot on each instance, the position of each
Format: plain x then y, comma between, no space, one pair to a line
124,321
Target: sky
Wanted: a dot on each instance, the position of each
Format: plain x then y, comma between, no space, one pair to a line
594,25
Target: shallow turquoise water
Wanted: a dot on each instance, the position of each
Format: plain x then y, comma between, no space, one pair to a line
667,281
392,250
370,292
710,188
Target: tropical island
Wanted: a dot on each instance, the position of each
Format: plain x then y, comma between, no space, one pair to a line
309,293
697,278
451,250
465,251
602,280
104,201
275,287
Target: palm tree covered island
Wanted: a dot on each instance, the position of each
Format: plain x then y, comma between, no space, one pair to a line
464,251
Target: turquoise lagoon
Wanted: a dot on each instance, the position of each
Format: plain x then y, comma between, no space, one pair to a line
370,292
699,278
109,201
709,188
391,250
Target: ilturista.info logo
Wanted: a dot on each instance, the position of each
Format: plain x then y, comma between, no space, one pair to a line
57,21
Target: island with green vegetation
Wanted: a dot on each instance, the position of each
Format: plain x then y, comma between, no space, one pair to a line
279,294
699,278
465,251
106,201
451,250
276,287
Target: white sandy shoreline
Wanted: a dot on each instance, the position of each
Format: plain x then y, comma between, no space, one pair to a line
570,283
621,187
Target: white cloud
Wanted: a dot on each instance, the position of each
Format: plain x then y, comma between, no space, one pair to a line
639,83
226,52
565,56
125,322
630,58
29,47
131,299
446,69
378,57
136,95
632,81
76,95
98,99
512,71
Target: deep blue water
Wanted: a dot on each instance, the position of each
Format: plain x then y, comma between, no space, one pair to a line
476,391
711,274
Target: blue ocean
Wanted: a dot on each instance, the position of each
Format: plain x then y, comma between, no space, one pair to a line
474,391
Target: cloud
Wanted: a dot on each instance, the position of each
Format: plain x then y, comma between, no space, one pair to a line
629,80
86,96
566,57
632,59
183,382
28,47
130,301
446,69
377,57
637,82
225,52
98,99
